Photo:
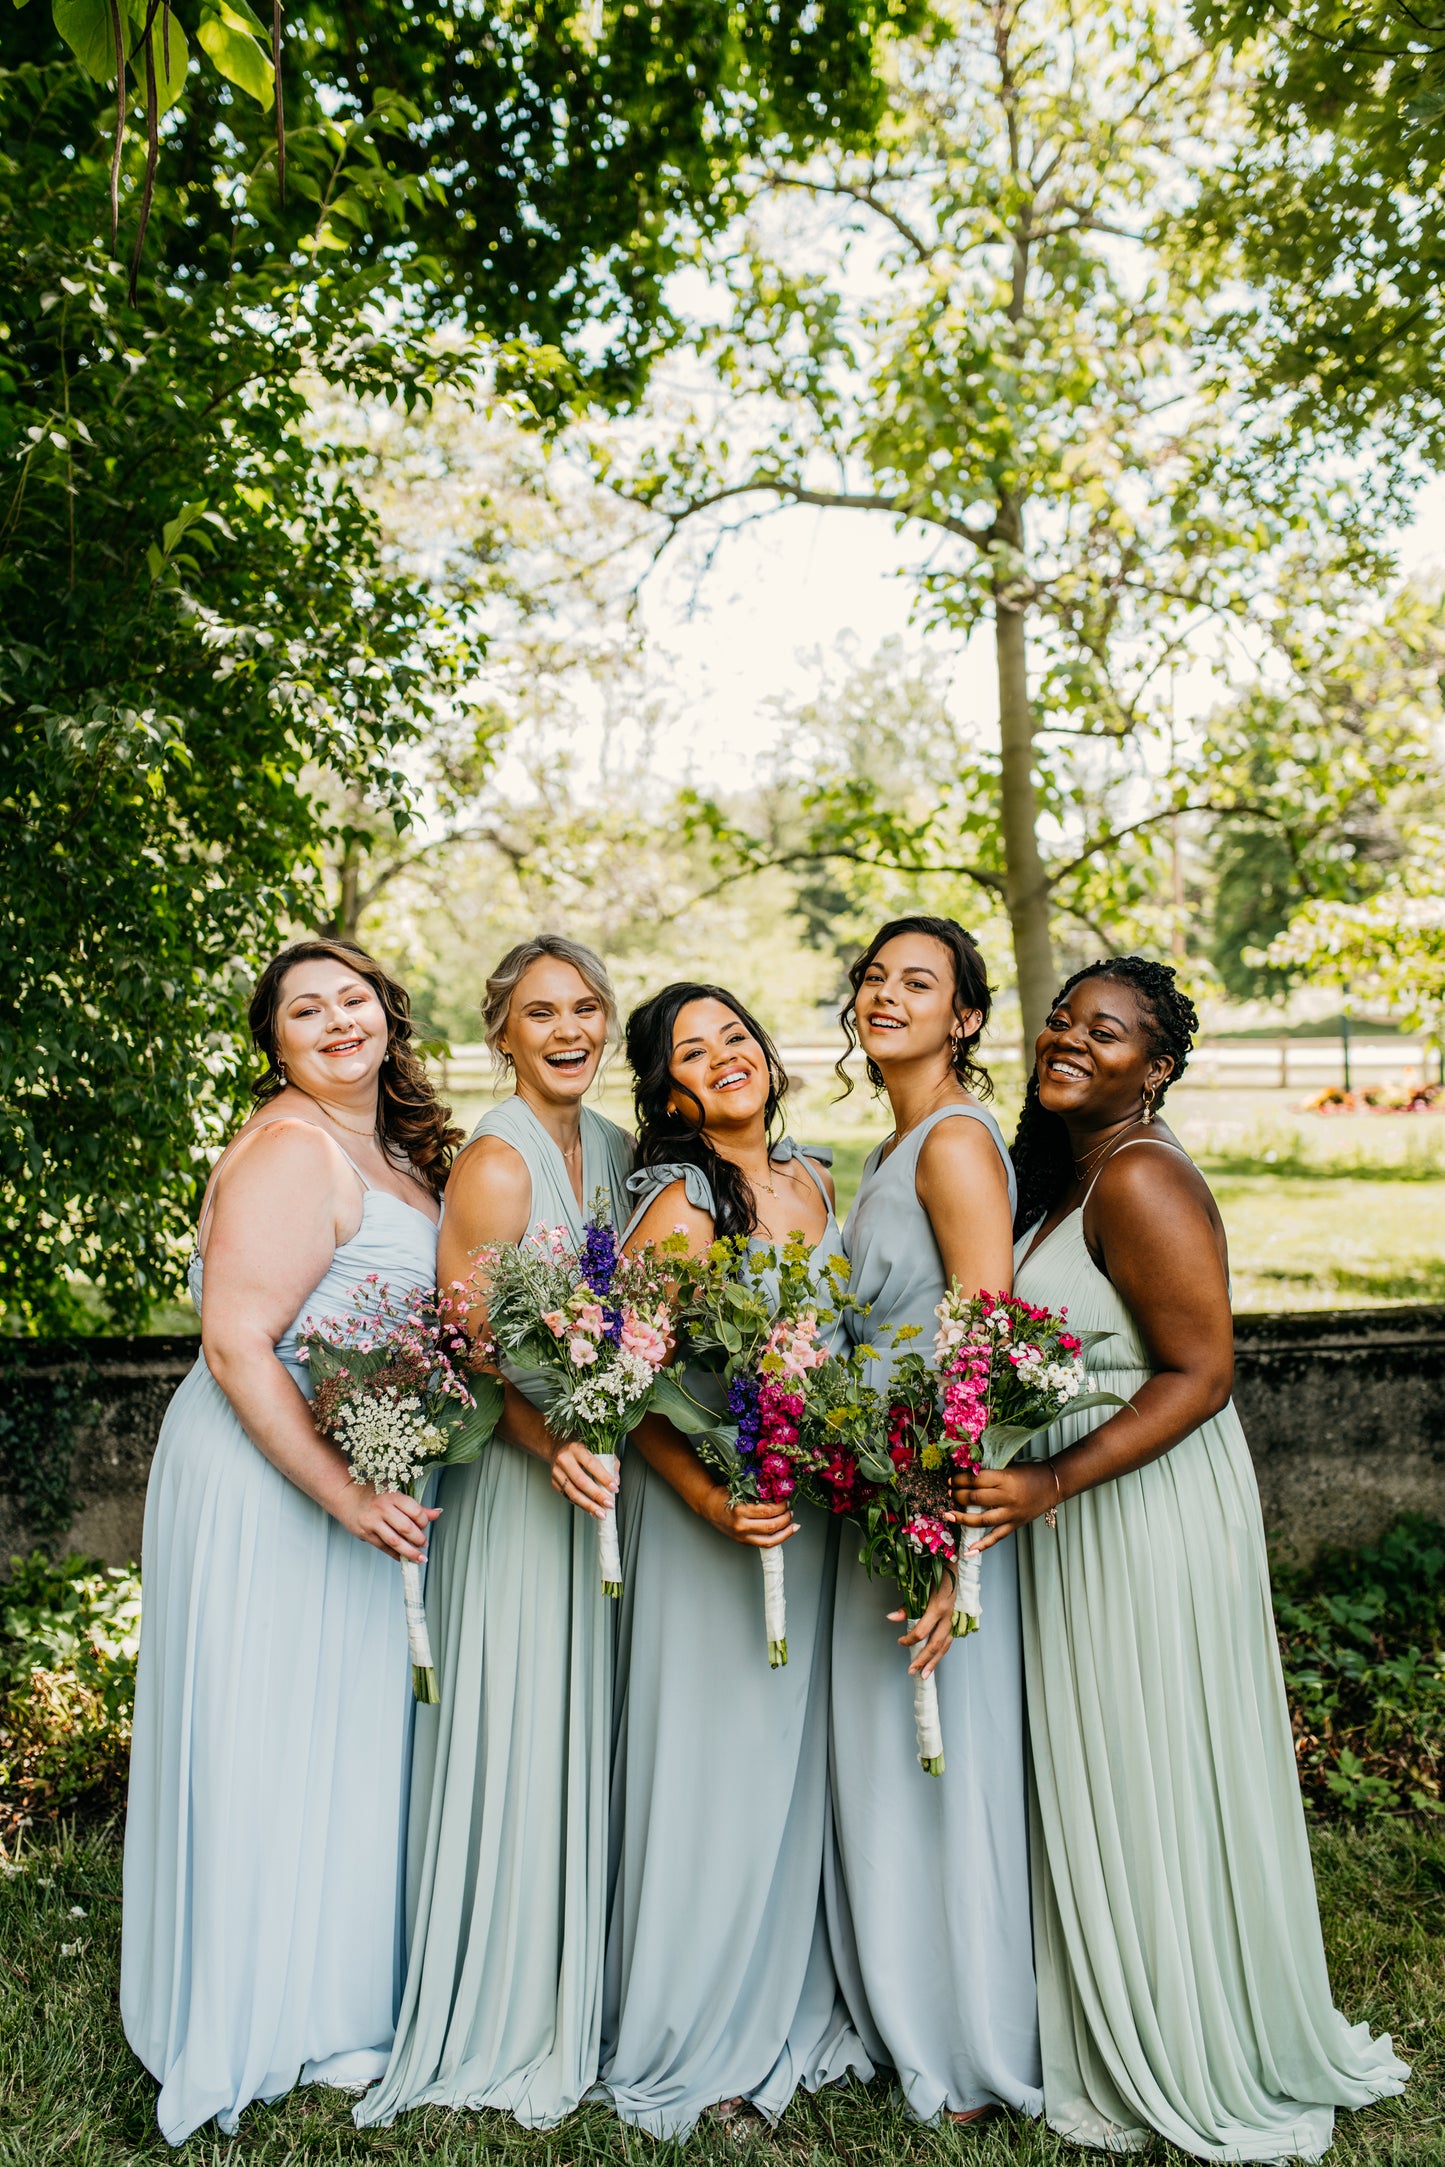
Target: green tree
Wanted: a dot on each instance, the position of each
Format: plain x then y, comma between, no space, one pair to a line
995,359
1330,203
577,145
198,623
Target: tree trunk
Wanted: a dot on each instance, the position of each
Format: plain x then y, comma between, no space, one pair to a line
1026,889
348,900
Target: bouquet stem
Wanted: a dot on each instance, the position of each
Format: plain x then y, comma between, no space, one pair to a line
609,1553
423,1672
968,1592
775,1606
926,1722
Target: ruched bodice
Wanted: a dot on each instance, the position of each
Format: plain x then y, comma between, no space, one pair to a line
395,1240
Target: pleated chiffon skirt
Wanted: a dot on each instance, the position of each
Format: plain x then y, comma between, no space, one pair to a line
262,1938
1183,1986
506,1853
720,1983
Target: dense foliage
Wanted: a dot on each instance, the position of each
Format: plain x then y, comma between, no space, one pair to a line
1332,203
1362,1635
69,1632
197,623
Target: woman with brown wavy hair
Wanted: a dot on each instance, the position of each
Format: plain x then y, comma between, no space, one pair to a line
273,1706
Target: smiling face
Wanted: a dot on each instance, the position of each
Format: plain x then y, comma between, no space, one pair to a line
331,1029
718,1065
555,1031
1093,1055
905,1005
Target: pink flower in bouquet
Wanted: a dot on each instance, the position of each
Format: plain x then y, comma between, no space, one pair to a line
588,1317
640,1335
582,1350
795,1344
935,1537
776,1480
558,1323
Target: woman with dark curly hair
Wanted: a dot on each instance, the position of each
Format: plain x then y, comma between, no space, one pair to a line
261,1938
929,1905
1182,1979
719,1988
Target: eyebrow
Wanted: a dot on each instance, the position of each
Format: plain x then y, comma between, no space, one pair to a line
348,985
1104,1016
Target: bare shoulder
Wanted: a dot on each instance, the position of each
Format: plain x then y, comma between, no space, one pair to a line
288,1148
670,1212
490,1189
957,1154
1153,1179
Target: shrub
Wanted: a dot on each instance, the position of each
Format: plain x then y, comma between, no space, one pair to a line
1362,1635
69,1632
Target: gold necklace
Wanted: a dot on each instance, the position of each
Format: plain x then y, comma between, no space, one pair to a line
331,1117
1082,1166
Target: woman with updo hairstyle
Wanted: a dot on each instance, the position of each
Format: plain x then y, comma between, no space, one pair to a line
719,1987
1182,1977
929,1893
260,1940
507,1848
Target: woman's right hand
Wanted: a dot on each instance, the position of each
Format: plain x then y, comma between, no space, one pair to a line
581,1478
757,1527
389,1520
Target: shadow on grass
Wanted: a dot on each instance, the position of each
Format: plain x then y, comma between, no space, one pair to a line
71,2092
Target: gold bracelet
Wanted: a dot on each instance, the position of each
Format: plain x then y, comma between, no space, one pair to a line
1051,1517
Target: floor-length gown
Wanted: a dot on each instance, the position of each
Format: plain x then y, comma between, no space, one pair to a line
719,1983
262,1924
507,1837
1182,1978
929,1891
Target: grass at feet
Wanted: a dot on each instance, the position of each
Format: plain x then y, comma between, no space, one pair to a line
71,2092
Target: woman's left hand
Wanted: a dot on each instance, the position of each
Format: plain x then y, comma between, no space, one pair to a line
991,1502
932,1636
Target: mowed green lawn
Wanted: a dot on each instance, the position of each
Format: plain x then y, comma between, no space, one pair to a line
71,2095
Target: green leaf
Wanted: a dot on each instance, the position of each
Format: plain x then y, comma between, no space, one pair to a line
85,27
671,1398
171,57
236,55
477,1424
187,516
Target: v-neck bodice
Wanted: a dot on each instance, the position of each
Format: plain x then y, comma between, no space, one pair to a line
606,1163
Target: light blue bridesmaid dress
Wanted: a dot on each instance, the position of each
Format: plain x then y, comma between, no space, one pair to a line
507,1840
1182,1977
261,1938
719,1983
929,1889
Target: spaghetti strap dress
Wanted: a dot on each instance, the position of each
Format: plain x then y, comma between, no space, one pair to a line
270,1751
928,1889
1182,1977
507,1846
719,1983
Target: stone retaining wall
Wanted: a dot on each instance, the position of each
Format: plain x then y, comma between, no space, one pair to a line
1344,1409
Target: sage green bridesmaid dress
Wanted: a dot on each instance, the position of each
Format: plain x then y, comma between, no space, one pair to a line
1181,1972
506,1875
720,1982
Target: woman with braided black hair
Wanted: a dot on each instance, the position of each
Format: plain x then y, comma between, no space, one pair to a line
1181,1973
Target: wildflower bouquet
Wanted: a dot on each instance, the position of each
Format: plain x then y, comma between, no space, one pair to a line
1007,1370
899,1496
753,1323
397,1389
595,1327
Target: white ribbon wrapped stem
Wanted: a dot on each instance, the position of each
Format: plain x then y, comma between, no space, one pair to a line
968,1592
775,1605
926,1721
423,1670
609,1553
